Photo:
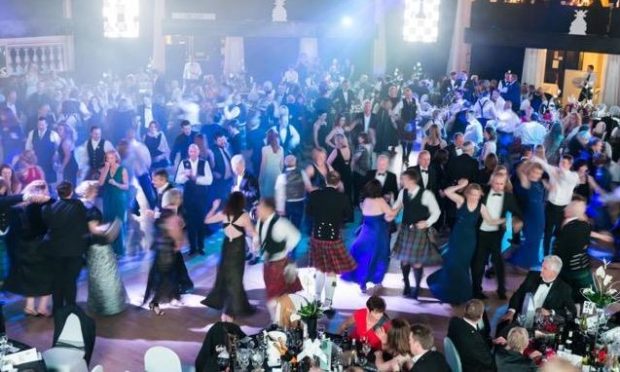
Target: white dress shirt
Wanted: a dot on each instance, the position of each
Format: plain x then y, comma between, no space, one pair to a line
54,138
294,142
181,176
381,177
148,116
283,230
428,200
367,122
563,181
494,206
531,133
473,132
424,175
541,295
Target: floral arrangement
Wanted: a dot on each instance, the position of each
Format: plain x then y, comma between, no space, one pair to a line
604,292
310,310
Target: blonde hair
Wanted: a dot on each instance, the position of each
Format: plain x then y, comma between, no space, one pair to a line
173,197
115,153
287,308
518,339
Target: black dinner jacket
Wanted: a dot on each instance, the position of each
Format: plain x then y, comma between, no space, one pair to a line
389,186
510,203
67,234
433,180
328,205
431,361
512,361
463,166
473,349
359,128
340,104
250,189
559,298
451,148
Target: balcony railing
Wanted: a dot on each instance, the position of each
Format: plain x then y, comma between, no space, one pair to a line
48,53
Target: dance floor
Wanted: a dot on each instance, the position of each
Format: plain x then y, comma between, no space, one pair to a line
123,339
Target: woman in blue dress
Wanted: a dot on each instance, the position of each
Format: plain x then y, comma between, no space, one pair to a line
371,248
530,191
452,282
114,180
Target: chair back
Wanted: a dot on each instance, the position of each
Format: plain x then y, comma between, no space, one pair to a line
161,359
71,334
98,368
452,355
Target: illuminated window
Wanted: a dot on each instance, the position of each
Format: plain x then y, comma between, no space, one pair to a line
121,18
421,21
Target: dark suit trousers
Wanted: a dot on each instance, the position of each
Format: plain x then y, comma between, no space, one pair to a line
195,210
554,214
489,244
65,272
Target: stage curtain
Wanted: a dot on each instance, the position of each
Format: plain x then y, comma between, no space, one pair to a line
234,59
611,85
310,47
459,50
534,66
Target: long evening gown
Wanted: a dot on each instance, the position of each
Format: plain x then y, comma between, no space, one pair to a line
343,167
163,282
371,251
115,206
529,254
228,293
452,282
106,292
29,273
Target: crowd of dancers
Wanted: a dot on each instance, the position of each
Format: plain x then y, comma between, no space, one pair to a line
499,168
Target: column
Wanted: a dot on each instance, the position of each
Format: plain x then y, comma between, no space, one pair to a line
534,64
460,52
611,84
159,43
379,46
310,47
234,58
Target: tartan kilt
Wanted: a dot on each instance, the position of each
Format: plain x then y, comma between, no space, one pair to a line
413,246
330,256
275,282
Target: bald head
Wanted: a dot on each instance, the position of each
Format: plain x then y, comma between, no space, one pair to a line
575,209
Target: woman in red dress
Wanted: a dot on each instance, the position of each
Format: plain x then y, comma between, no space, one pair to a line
370,323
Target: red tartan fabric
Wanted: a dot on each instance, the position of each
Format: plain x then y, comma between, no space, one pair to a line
330,256
275,283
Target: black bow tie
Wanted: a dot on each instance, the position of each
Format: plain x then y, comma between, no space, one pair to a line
381,174
496,194
424,170
545,283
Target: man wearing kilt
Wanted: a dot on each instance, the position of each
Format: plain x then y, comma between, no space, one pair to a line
276,238
328,208
420,212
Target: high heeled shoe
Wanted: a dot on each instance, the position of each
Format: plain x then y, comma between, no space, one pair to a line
155,308
30,312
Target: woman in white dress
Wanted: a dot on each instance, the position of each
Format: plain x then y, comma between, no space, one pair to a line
272,161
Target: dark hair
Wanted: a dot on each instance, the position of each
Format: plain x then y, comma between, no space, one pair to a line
579,163
235,204
42,118
372,189
269,203
490,161
441,156
474,310
577,197
332,178
64,189
412,174
93,128
491,132
185,123
161,172
364,137
424,335
219,134
375,303
398,337
7,188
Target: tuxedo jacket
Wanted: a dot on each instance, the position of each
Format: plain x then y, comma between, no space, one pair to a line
249,188
433,179
462,166
513,361
340,103
67,234
559,298
510,203
472,346
389,186
451,148
359,128
431,361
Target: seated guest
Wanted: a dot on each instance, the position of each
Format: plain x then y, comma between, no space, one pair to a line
396,343
421,342
550,293
472,346
559,365
511,358
571,245
287,308
366,322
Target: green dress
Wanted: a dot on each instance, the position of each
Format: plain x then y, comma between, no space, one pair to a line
115,206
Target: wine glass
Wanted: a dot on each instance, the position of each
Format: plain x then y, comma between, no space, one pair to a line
257,359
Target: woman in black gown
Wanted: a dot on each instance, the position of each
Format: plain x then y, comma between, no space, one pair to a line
228,293
340,160
29,273
163,280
